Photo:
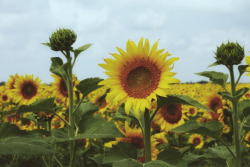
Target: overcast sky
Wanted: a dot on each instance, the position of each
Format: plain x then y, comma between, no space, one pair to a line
189,29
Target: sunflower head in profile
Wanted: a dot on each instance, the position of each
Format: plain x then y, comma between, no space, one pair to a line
169,116
215,103
196,140
59,87
10,84
247,59
26,89
138,75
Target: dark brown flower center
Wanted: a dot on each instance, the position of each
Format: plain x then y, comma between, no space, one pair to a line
63,88
29,90
5,98
172,113
140,78
215,104
196,141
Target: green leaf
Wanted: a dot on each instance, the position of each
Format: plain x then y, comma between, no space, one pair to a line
45,105
242,68
226,95
127,163
96,127
173,157
81,49
219,152
214,64
15,141
179,99
46,44
119,152
239,93
26,145
157,163
88,85
216,77
85,108
246,124
57,67
243,109
211,128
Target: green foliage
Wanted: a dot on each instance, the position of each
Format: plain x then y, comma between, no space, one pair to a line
179,99
173,157
81,49
14,141
216,77
212,128
44,105
58,68
243,109
88,85
127,162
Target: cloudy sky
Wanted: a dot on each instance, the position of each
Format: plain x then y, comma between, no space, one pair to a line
189,29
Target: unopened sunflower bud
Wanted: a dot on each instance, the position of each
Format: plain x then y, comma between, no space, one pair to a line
229,54
62,39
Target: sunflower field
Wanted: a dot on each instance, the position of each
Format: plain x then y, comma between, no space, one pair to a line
140,116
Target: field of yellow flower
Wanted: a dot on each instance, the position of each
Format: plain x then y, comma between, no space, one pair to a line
139,116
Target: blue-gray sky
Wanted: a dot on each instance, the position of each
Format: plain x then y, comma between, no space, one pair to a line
189,29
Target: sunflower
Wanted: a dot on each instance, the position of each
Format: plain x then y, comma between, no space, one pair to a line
169,116
215,103
247,138
248,63
26,89
10,84
60,88
134,136
196,140
138,75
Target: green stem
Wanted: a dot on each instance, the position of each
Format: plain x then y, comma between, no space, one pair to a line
236,133
59,163
50,157
228,148
71,109
59,116
147,136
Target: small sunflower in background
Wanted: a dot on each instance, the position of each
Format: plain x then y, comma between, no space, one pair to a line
247,138
215,103
138,74
26,89
10,84
59,87
134,136
169,116
247,58
196,140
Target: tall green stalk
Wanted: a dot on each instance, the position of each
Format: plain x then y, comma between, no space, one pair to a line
236,134
71,109
147,136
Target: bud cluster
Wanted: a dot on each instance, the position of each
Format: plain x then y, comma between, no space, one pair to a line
230,54
62,39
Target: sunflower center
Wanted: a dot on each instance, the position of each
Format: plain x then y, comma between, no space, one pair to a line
140,78
196,141
137,142
172,113
191,111
63,88
29,90
215,104
4,97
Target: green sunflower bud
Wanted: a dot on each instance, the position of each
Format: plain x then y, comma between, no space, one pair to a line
62,39
229,54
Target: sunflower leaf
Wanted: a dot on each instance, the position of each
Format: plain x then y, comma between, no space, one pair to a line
172,156
158,163
216,77
45,105
88,85
127,162
243,109
226,95
241,92
242,68
15,141
57,67
246,124
81,49
179,99
212,128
